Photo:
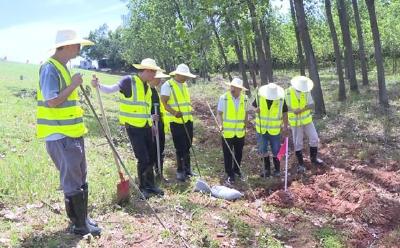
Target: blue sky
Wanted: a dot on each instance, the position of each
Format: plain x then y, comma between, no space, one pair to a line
28,28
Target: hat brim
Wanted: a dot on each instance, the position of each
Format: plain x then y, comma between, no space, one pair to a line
162,75
265,92
235,85
82,42
147,67
299,86
190,75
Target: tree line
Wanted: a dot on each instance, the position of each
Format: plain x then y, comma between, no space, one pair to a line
256,37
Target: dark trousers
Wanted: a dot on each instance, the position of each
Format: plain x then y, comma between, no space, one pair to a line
161,134
142,143
182,142
236,145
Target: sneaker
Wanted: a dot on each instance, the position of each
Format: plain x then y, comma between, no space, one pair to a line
301,169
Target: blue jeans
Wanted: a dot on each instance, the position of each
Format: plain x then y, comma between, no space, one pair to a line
273,140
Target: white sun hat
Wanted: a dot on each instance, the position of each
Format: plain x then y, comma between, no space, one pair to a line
160,74
183,70
70,37
302,83
236,82
271,91
149,64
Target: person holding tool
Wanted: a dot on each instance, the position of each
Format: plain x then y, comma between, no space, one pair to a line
300,103
160,127
271,112
135,114
232,121
60,123
176,101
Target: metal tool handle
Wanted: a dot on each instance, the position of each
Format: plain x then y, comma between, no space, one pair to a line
157,139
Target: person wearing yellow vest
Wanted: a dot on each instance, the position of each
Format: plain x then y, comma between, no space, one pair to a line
300,104
162,122
176,100
135,114
232,120
60,123
271,117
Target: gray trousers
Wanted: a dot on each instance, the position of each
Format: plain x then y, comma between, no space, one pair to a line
298,136
68,155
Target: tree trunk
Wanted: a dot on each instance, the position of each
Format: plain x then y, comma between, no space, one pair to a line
260,53
251,64
361,49
335,41
344,23
310,57
239,51
267,50
383,97
221,48
300,55
253,52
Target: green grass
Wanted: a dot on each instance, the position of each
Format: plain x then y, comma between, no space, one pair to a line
329,238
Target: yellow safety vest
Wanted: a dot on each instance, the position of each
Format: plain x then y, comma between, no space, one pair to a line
234,120
136,109
269,119
66,118
179,100
294,103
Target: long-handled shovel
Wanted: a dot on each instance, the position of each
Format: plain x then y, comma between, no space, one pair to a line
123,185
158,143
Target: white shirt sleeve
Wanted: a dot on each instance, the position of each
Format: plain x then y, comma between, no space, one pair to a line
310,100
165,89
221,104
108,89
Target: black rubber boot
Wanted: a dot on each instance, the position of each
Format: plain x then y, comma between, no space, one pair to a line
267,168
180,172
313,156
85,189
300,167
277,165
188,167
150,183
69,209
142,182
81,226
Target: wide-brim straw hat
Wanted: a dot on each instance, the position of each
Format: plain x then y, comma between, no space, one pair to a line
302,83
237,82
149,64
183,70
69,37
160,74
271,91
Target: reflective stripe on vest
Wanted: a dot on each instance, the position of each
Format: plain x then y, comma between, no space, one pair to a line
269,119
179,100
66,118
233,119
294,103
136,109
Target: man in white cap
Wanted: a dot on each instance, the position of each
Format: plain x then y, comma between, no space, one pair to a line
135,113
232,119
271,113
176,99
300,104
60,123
163,124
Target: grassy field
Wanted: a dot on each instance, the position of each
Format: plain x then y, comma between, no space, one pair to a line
359,143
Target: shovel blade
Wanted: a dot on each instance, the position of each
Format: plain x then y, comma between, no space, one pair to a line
123,191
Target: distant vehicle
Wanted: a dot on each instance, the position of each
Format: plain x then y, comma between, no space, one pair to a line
86,64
